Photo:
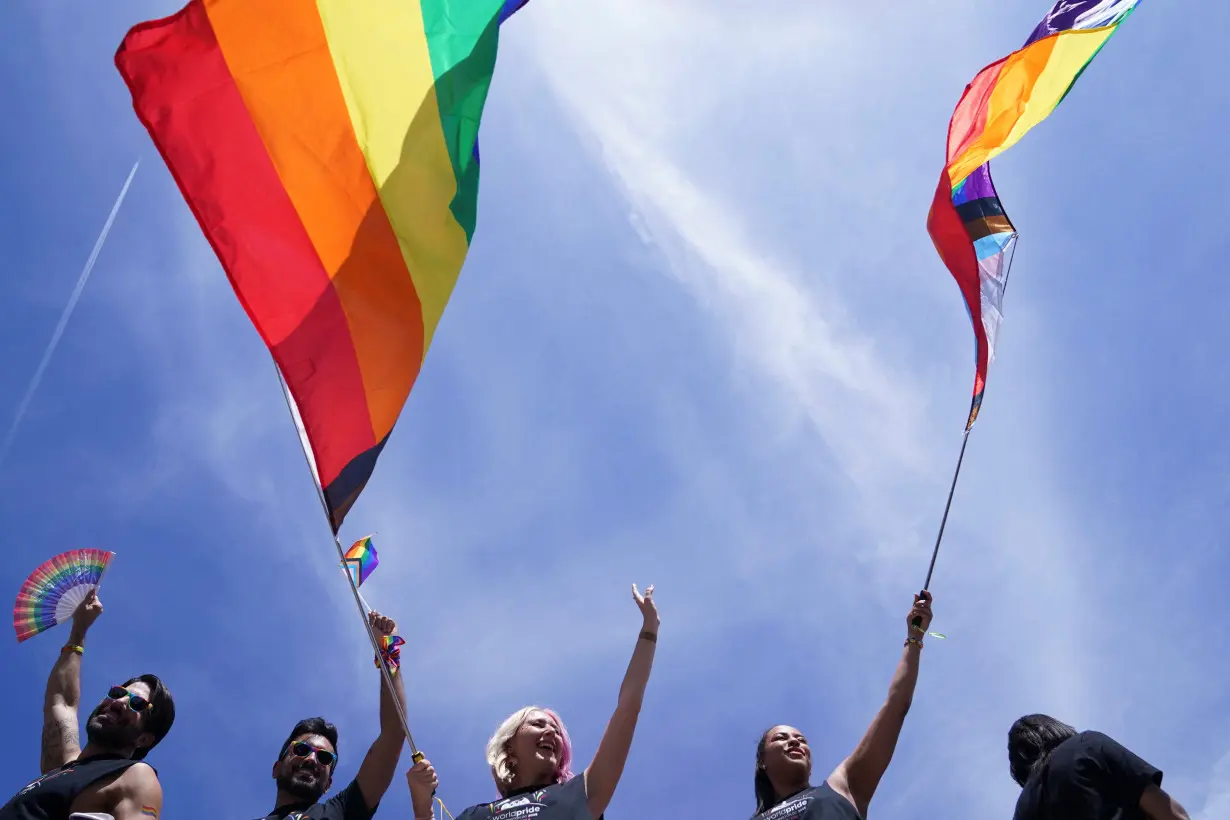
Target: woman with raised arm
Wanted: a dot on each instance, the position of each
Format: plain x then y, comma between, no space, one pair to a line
530,754
783,758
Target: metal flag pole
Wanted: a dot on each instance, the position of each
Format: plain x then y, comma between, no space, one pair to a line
947,506
415,754
917,621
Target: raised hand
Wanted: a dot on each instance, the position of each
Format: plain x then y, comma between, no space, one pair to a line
649,610
381,624
87,613
919,617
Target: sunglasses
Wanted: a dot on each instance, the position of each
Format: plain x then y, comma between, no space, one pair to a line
305,749
135,702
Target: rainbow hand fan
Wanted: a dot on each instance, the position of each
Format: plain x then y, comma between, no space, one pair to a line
53,591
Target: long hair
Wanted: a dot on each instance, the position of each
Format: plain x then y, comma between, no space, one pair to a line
497,748
766,798
1031,740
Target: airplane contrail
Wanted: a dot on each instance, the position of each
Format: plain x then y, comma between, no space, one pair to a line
64,317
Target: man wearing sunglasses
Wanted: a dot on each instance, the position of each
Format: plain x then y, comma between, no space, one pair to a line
108,775
306,763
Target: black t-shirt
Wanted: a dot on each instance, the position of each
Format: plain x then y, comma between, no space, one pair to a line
51,796
562,801
1087,777
817,803
348,804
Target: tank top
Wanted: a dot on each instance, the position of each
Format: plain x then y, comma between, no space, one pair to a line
561,801
818,803
51,796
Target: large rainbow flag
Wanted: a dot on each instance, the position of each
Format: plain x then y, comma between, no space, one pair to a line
1006,99
329,151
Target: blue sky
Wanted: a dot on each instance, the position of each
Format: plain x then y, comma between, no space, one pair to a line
702,341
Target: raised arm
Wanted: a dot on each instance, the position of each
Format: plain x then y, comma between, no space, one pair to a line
376,773
61,742
859,774
604,771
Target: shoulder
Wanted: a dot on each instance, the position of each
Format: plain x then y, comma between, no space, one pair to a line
573,793
1091,746
1079,748
1094,740
136,785
349,803
475,812
1094,737
140,779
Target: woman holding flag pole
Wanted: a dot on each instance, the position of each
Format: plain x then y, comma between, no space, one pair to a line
530,754
783,757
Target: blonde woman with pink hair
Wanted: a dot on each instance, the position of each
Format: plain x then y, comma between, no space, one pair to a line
530,754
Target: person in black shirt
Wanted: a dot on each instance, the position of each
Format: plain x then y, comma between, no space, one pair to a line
783,758
305,765
530,754
1082,776
108,776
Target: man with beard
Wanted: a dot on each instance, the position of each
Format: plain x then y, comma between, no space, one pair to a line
108,775
305,765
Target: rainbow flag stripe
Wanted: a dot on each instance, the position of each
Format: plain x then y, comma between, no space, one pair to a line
361,560
967,221
329,151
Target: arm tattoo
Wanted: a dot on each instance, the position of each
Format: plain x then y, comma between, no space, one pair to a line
59,741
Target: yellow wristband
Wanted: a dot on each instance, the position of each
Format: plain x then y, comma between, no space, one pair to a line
80,650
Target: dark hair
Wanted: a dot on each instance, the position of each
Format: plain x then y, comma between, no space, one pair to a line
312,726
1030,742
161,714
765,796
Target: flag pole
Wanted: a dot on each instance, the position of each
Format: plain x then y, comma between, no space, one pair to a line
917,621
415,754
947,506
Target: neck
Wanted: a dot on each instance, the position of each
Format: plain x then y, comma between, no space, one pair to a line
287,799
538,781
785,788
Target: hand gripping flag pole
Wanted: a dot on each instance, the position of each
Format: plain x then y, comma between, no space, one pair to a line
381,660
